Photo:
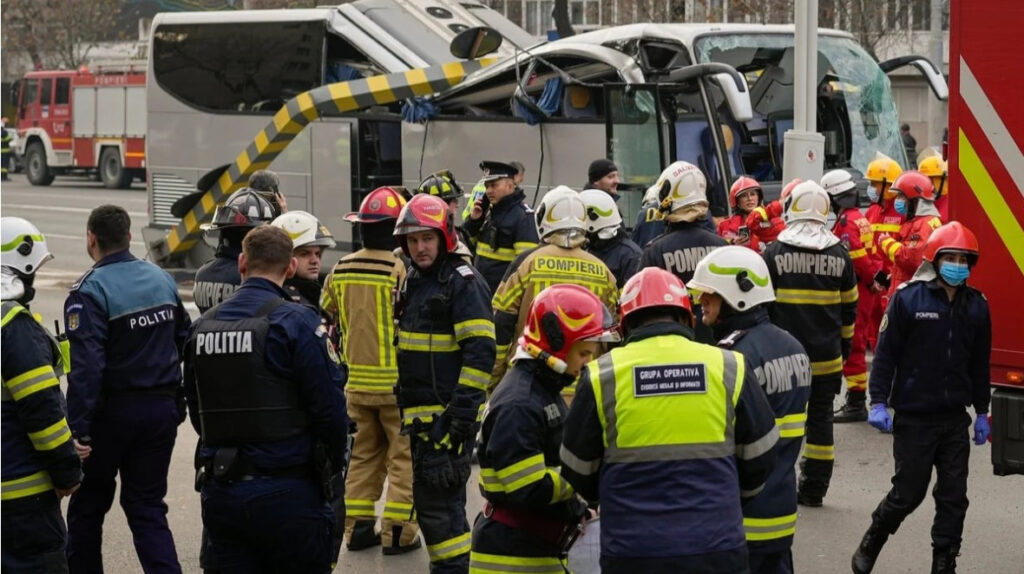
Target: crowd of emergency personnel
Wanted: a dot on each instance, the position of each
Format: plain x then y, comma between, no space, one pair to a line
679,376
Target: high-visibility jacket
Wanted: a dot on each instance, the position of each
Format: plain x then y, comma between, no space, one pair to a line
531,273
855,234
37,452
906,249
765,221
885,221
359,296
505,232
669,434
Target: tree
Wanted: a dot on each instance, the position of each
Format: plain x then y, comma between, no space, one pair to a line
58,33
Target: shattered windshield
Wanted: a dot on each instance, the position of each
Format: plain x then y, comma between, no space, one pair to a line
855,112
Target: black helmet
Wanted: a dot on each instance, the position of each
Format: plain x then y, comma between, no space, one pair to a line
244,208
442,184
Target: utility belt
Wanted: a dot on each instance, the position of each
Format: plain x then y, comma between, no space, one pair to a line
228,466
555,532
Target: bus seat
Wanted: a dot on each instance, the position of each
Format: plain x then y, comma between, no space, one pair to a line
578,102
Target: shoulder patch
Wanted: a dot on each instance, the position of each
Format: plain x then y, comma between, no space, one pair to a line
885,323
464,270
731,340
78,284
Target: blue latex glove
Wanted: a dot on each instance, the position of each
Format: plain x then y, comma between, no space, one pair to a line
880,418
982,430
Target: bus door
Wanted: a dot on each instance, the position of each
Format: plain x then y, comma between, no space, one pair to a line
635,138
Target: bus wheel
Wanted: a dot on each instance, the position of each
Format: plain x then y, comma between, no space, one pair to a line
35,165
112,173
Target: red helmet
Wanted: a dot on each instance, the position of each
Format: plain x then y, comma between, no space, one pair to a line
653,287
914,184
788,189
425,212
954,236
381,204
744,183
560,316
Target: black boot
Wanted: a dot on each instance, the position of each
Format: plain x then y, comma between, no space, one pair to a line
854,411
944,559
364,535
870,546
396,543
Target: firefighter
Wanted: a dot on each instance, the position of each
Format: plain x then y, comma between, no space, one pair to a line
264,393
358,298
683,193
932,361
310,238
935,168
442,184
500,225
735,293
885,221
915,200
745,195
5,149
126,325
530,507
445,354
603,174
670,494
218,278
561,226
854,233
816,301
765,221
649,221
607,238
40,464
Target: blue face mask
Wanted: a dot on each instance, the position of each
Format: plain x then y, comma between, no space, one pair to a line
900,205
872,194
954,273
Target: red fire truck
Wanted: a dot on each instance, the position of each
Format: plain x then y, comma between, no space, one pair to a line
986,181
91,120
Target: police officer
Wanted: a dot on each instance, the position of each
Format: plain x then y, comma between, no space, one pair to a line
530,507
265,394
5,149
126,325
735,294
442,184
310,238
607,238
560,258
670,493
218,278
500,224
358,298
682,190
445,353
915,200
854,233
816,301
932,361
40,465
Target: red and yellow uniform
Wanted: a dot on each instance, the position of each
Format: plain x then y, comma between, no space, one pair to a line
855,233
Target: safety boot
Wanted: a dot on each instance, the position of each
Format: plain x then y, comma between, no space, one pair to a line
944,559
855,410
364,535
866,554
396,543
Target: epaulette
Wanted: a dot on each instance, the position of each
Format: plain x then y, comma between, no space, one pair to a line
77,284
731,340
464,270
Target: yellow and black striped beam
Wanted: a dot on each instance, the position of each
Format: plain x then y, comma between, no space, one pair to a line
293,118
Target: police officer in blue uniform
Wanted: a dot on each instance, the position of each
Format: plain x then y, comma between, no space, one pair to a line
445,353
265,392
40,464
126,325
735,292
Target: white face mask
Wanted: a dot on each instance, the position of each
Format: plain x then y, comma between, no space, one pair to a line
872,194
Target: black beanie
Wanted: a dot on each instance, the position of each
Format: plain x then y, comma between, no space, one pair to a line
600,168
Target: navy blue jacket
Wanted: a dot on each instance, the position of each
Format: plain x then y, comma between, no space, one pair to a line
647,226
217,279
619,253
127,326
933,355
296,350
507,230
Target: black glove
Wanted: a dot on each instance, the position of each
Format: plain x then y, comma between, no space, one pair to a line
435,466
460,430
883,279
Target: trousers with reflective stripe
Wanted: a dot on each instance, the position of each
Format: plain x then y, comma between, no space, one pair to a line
442,518
819,452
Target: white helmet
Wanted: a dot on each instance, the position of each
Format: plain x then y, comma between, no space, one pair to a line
737,274
837,182
682,184
602,212
561,209
808,202
304,229
23,246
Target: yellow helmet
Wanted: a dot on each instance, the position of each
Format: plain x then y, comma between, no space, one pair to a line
935,168
883,169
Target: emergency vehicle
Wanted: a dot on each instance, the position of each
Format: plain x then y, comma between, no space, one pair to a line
91,120
986,163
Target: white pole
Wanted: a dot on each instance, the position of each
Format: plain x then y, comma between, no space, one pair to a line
804,148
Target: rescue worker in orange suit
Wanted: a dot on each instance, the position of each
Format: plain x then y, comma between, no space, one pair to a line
935,168
445,355
816,301
672,436
735,293
561,226
932,362
854,233
765,221
358,297
915,199
682,189
745,195
530,507
885,221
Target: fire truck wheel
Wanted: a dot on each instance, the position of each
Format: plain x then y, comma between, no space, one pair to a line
114,175
35,165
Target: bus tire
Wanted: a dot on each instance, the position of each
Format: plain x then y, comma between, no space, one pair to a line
38,172
113,174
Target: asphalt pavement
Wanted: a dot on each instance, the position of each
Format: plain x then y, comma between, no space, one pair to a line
825,539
